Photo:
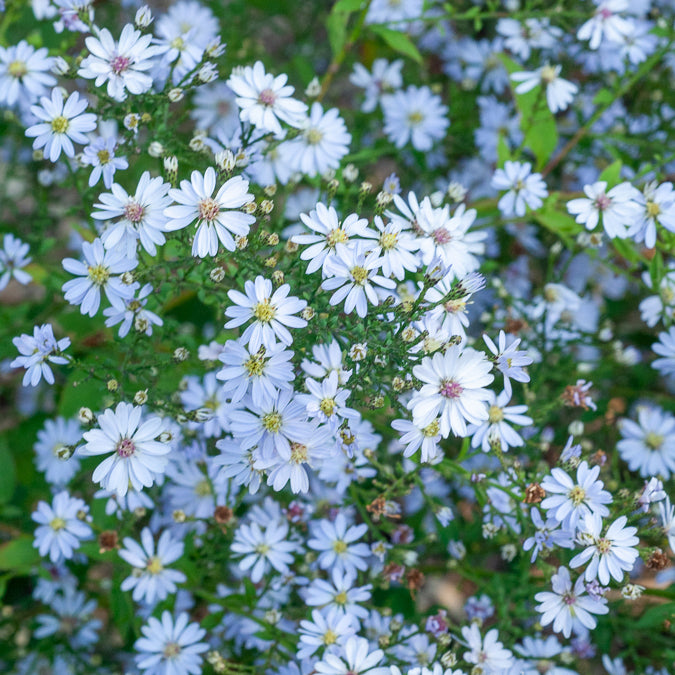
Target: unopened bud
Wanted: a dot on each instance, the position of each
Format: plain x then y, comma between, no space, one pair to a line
85,416
141,397
217,274
249,208
307,314
313,89
112,384
180,354
278,277
127,278
176,95
143,17
156,149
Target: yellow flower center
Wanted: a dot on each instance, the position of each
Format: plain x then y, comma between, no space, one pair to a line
298,453
171,651
388,241
203,488
272,422
653,209
431,429
577,494
178,43
57,524
454,306
264,311
313,136
338,236
17,69
548,74
653,440
262,549
341,598
98,274
208,209
495,414
103,156
340,547
154,565
603,545
359,274
415,118
60,124
255,366
330,637
327,406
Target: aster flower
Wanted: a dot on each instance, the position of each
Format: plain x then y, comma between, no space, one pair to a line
618,208
271,312
327,627
508,359
394,245
326,401
100,154
340,592
415,438
353,276
61,124
648,445
384,78
571,501
263,549
54,450
415,116
71,620
453,389
151,581
566,607
525,189
60,529
665,348
610,555
322,143
37,351
265,99
337,545
122,64
170,647
133,314
487,652
359,659
332,236
218,217
13,257
496,430
100,270
547,536
24,73
657,206
606,24
136,456
559,92
137,218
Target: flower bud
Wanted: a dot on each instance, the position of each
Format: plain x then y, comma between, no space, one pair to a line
143,17
141,397
85,416
156,149
175,95
180,354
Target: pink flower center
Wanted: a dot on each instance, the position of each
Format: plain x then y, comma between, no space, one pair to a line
451,389
134,212
605,13
125,448
119,64
208,209
441,236
602,202
569,599
267,97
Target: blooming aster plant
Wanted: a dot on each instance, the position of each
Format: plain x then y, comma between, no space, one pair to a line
337,337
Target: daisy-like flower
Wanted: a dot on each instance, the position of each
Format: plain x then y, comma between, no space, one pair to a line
324,141
61,125
337,545
610,555
326,401
665,348
137,456
606,24
54,450
36,351
453,389
385,78
70,620
571,501
357,659
171,647
332,236
548,535
559,92
618,208
24,73
61,529
509,360
263,548
137,218
151,581
262,373
496,430
271,313
524,188
13,257
648,445
657,206
218,217
122,64
567,608
328,627
667,513
100,154
265,99
487,652
340,592
134,314
353,276
100,270
394,245
415,116
415,437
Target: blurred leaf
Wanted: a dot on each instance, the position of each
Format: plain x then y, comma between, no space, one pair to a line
7,475
78,392
612,174
18,555
337,21
503,150
399,42
655,616
656,270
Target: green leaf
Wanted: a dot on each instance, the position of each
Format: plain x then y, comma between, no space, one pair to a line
656,270
7,475
399,42
611,175
78,392
503,150
655,616
18,555
336,23
603,97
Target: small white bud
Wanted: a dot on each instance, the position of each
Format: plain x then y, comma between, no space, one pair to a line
156,149
143,17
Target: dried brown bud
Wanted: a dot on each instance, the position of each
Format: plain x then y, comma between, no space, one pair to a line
107,541
415,579
223,515
534,493
657,561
